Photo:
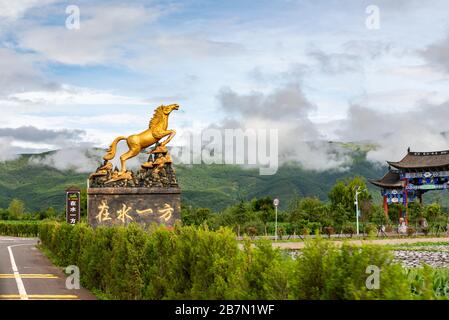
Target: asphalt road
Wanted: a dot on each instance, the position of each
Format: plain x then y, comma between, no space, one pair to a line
26,274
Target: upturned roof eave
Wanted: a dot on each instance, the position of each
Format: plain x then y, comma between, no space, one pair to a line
381,184
398,165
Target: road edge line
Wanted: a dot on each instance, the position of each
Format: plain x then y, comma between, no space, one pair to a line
19,282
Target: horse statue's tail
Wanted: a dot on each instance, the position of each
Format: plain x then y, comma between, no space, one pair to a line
113,148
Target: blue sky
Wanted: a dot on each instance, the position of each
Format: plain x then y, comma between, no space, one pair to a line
318,58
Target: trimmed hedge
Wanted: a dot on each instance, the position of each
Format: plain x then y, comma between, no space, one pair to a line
196,263
19,228
130,263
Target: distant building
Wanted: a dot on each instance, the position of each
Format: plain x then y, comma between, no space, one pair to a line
408,179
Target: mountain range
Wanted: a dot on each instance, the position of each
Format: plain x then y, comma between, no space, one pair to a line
213,186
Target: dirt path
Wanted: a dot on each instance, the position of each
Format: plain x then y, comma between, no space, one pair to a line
300,245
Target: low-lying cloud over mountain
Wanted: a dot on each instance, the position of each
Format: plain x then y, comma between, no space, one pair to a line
287,110
421,129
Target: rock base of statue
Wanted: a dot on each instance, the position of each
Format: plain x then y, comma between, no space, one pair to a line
150,195
121,206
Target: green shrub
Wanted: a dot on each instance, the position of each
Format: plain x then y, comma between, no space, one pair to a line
371,229
324,271
95,260
158,250
19,228
205,265
196,263
329,231
127,263
131,263
411,231
349,228
428,283
268,272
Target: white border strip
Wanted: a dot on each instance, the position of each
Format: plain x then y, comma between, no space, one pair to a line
22,292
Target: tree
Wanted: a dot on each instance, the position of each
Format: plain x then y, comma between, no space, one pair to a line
432,211
195,216
202,214
4,214
47,214
83,202
342,198
309,213
16,209
394,211
265,210
415,212
378,216
240,212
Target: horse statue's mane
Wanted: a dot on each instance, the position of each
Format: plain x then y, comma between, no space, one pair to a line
157,117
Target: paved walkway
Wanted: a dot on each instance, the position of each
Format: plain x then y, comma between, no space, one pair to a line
26,274
300,245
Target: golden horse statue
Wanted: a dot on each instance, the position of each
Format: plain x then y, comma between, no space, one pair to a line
136,142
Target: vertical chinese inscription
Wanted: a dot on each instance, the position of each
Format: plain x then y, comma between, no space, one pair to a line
73,199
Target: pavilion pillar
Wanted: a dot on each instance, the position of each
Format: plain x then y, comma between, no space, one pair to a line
386,207
420,197
406,208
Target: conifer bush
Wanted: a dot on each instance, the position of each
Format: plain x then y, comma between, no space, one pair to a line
19,228
197,263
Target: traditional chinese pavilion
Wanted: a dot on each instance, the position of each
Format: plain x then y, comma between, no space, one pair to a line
408,179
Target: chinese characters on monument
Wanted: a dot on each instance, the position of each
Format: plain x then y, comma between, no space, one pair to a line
73,198
125,214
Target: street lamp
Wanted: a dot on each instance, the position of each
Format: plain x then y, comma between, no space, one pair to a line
357,211
276,204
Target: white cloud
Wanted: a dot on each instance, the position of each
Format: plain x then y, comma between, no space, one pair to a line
196,46
15,9
400,100
81,160
253,55
105,35
19,74
423,129
419,72
75,96
7,150
437,54
287,110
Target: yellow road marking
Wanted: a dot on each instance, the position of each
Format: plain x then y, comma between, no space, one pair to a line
29,276
40,296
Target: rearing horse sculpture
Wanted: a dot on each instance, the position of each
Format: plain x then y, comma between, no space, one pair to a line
136,142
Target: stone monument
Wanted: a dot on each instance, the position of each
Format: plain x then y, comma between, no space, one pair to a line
149,195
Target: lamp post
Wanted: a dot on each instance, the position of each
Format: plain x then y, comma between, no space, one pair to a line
276,204
357,212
